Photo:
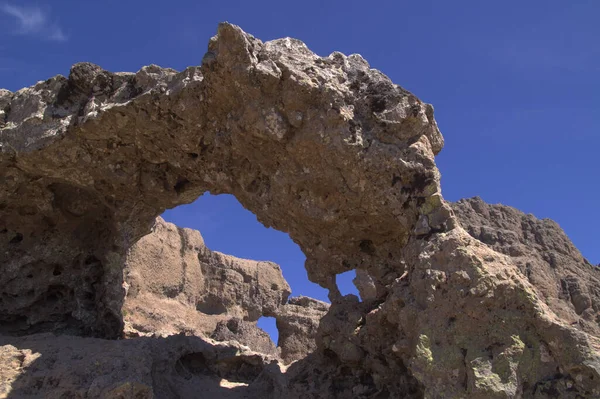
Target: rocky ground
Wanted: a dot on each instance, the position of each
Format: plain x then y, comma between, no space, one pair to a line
100,298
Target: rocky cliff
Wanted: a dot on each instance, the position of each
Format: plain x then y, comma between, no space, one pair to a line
459,300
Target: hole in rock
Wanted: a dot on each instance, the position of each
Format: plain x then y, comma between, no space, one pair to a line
228,227
268,325
192,363
239,369
57,270
18,237
345,283
211,305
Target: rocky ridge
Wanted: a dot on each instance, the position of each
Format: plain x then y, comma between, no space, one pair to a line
459,300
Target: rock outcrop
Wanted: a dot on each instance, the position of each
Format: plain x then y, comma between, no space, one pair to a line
57,367
175,285
324,148
297,323
567,282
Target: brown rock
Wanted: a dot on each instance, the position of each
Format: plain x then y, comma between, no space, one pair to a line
246,333
176,284
323,148
76,164
56,367
563,278
297,323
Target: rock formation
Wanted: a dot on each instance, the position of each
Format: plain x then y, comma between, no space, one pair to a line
196,287
324,148
562,277
297,323
175,284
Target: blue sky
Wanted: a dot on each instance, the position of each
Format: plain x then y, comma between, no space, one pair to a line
515,86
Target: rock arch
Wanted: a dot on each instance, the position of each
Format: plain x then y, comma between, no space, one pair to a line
323,148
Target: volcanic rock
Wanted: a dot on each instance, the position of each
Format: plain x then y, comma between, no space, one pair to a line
297,323
567,282
326,149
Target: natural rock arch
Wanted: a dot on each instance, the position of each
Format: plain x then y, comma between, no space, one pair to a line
323,148
326,149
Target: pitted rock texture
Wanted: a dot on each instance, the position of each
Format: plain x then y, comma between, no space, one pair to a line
567,282
297,323
324,148
245,333
272,123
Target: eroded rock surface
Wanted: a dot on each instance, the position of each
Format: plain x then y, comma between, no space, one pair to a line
297,323
57,367
567,282
324,148
175,284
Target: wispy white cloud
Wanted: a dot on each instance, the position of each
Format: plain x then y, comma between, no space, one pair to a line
33,21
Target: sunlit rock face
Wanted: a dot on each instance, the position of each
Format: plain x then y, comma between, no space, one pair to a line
324,148
176,285
562,277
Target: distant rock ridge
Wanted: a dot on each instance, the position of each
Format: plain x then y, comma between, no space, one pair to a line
458,300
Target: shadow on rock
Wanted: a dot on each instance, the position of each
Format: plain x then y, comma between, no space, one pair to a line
174,367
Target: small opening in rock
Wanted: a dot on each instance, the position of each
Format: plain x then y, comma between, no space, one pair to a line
193,363
16,239
181,185
239,369
90,259
367,247
268,325
55,293
211,305
345,284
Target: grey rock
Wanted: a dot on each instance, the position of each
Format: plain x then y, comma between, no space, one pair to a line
245,333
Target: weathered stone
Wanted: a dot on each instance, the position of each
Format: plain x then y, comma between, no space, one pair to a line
246,333
57,367
157,138
323,148
176,284
562,277
297,323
